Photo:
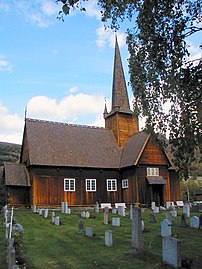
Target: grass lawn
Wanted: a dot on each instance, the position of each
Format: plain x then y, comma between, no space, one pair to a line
45,245
2,243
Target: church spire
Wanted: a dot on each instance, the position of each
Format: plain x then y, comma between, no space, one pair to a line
120,99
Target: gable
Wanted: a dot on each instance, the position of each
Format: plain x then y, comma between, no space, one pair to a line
16,174
60,144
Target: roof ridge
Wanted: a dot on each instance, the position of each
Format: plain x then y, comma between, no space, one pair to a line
64,123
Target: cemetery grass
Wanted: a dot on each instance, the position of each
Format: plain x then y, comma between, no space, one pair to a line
45,245
2,243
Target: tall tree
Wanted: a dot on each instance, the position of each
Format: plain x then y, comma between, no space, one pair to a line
161,73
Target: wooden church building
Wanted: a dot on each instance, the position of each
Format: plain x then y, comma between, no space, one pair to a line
84,164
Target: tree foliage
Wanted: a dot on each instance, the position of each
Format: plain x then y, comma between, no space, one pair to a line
161,73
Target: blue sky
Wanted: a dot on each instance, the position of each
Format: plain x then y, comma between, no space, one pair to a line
60,71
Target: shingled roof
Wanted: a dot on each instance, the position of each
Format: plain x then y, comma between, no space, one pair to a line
16,174
60,144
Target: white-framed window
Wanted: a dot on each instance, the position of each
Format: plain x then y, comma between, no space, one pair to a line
124,183
152,171
90,184
111,185
69,184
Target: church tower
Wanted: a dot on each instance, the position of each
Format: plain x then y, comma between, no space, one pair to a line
121,120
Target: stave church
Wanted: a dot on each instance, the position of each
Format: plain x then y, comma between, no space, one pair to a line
84,165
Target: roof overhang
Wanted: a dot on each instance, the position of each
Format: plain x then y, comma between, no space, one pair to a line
156,180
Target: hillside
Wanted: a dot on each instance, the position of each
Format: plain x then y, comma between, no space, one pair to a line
8,153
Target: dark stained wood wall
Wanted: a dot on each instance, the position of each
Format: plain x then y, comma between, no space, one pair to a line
175,191
123,126
18,195
129,195
48,186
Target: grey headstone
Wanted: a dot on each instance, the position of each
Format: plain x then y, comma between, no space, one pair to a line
53,217
169,216
108,238
186,210
153,204
152,218
194,222
57,221
89,231
131,212
66,207
173,213
143,225
80,225
45,213
7,230
106,215
18,228
63,207
96,207
165,228
121,211
114,211
171,251
156,210
34,209
116,222
137,237
40,212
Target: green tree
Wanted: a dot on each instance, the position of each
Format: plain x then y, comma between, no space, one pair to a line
160,69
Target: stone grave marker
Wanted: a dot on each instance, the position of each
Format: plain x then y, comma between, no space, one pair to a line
183,220
83,214
156,210
131,212
80,226
96,207
171,251
108,238
200,221
89,231
168,204
34,209
153,204
87,215
63,207
152,218
40,212
143,225
194,222
174,213
137,237
106,215
169,216
116,222
186,210
53,217
165,228
57,220
45,213
200,208
66,209
114,211
121,211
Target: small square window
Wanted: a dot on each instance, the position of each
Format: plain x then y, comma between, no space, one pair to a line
69,184
124,183
90,184
111,185
152,171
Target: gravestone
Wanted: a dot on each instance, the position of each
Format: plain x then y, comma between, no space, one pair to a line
152,218
153,204
108,238
40,212
121,211
116,222
174,213
87,215
34,209
83,214
183,220
96,207
171,251
137,237
169,216
63,207
200,208
106,215
186,210
168,204
142,225
156,210
200,221
114,211
89,231
7,230
66,209
131,212
80,226
53,217
18,228
57,221
194,222
165,228
11,257
45,213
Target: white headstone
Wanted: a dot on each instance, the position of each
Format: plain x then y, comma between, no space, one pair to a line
131,212
142,225
165,228
194,222
116,222
168,204
96,207
186,210
156,210
89,231
45,213
153,204
57,221
34,209
83,214
114,211
171,251
87,215
108,238
53,217
121,211
40,212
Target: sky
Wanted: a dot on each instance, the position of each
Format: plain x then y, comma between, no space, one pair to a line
54,70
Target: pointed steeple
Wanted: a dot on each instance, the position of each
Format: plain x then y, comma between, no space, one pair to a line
120,99
105,110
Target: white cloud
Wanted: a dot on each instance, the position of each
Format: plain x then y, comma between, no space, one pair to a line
195,52
4,6
5,65
92,9
106,37
11,126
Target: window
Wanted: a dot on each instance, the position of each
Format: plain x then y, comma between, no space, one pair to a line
124,183
69,184
90,184
152,171
111,185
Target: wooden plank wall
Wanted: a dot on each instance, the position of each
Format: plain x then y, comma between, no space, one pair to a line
18,195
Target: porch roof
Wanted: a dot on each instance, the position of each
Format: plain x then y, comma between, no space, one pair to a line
156,180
